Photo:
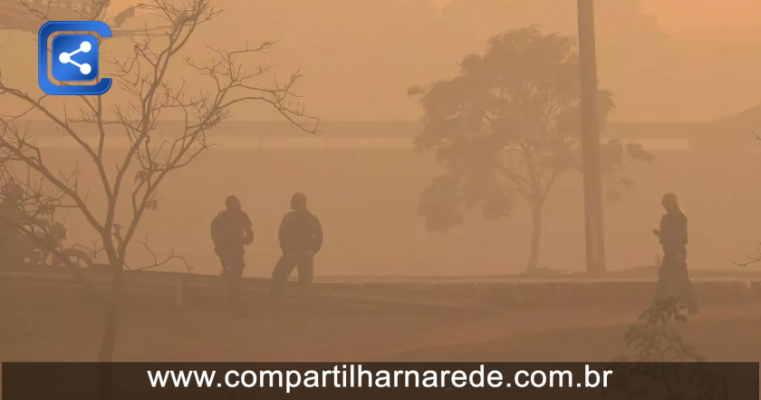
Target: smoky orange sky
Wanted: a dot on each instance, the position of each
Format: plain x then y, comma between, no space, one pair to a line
705,14
678,16
674,16
664,60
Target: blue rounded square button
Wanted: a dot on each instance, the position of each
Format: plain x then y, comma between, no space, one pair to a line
75,58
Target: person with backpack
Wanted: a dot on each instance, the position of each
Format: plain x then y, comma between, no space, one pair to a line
231,229
300,239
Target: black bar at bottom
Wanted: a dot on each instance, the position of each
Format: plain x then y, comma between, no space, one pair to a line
396,381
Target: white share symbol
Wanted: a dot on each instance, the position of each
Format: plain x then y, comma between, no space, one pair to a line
65,58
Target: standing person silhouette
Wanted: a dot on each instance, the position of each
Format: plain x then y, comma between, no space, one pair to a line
300,239
673,279
231,229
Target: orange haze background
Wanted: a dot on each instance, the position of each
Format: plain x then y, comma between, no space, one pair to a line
674,16
664,60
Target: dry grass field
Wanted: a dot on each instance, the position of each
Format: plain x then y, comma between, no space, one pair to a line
56,323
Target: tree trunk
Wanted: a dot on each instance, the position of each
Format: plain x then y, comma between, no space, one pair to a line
536,234
112,316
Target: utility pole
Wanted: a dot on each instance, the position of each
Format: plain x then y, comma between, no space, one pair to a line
590,142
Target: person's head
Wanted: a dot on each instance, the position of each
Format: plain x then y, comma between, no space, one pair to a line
670,202
13,192
232,203
299,201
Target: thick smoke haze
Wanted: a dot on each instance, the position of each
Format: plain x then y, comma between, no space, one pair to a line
662,63
445,210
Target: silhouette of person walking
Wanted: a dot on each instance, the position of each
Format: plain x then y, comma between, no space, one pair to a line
300,239
673,279
231,229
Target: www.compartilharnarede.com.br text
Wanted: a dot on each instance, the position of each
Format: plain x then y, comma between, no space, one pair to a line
354,376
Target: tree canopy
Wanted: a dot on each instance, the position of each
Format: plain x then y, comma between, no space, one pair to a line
507,126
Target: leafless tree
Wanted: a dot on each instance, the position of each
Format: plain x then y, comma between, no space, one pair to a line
38,204
152,154
751,259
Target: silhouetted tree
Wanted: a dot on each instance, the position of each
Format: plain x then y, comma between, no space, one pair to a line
508,126
661,364
652,337
146,76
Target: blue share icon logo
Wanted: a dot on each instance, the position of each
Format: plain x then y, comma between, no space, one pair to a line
75,58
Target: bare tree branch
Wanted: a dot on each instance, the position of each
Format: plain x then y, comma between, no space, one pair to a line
160,262
146,75
751,259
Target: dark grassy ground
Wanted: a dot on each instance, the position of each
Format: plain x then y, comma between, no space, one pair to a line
50,323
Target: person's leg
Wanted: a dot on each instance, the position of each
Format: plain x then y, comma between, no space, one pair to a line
686,290
223,261
280,274
688,294
306,274
235,272
662,289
